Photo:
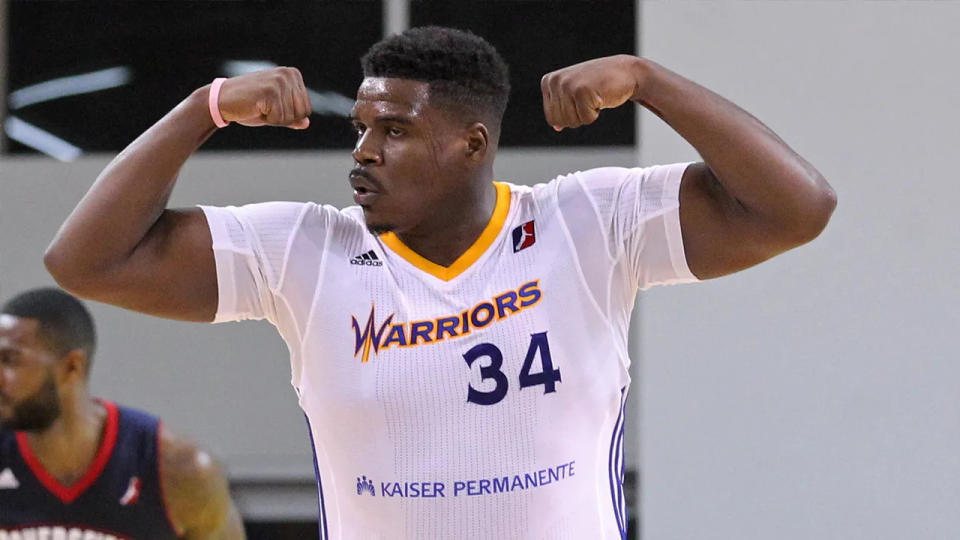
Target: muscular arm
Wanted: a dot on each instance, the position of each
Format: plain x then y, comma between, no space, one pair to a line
751,199
196,492
122,246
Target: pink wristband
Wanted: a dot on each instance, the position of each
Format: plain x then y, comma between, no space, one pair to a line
214,102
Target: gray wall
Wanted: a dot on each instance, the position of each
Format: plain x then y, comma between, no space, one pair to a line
816,396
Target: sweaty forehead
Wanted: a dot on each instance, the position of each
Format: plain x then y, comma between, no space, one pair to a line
392,95
16,330
7,322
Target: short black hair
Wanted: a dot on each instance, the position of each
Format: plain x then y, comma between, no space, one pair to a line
462,69
64,322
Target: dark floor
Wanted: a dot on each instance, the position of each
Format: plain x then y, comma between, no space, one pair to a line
275,530
269,530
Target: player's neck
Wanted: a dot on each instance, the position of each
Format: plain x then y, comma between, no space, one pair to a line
69,445
453,229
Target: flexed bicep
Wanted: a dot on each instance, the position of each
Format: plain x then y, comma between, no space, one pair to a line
171,273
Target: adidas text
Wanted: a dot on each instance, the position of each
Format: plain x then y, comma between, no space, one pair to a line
367,259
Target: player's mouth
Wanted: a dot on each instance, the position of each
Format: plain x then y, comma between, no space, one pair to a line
366,188
364,197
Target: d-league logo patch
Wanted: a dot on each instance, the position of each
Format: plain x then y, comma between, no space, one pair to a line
367,259
524,236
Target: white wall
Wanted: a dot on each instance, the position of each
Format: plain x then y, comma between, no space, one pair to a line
816,396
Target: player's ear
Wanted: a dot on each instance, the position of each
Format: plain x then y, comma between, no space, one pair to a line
478,141
74,366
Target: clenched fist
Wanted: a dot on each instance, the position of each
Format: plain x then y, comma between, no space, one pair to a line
573,96
275,97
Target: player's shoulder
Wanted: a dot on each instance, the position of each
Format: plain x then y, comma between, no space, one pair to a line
134,431
597,179
193,482
311,216
292,214
272,214
282,219
133,415
577,184
604,186
350,217
289,232
183,462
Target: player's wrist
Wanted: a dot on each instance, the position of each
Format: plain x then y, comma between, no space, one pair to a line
196,107
213,102
642,72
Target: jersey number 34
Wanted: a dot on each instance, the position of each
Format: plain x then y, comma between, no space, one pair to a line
539,348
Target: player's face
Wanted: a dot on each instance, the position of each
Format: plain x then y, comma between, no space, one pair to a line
410,157
29,399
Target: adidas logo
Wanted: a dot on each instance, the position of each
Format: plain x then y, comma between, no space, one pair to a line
8,480
367,259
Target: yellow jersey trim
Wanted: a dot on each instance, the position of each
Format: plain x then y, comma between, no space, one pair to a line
470,256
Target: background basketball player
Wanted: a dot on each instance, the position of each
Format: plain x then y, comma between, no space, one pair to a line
73,466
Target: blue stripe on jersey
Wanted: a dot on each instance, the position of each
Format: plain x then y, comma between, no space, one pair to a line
618,462
322,517
615,467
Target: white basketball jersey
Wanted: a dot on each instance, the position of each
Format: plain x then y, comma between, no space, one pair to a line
480,400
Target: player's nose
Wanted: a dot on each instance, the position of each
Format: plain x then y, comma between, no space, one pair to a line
366,152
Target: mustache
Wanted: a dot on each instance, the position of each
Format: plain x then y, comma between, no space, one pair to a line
360,173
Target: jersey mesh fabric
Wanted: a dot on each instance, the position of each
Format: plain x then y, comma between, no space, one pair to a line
550,368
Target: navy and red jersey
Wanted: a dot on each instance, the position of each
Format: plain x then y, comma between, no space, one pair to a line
119,496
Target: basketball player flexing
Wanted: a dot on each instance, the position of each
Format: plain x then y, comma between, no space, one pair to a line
458,345
76,467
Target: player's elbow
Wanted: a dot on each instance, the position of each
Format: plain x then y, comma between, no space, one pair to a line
817,212
58,266
68,273
804,220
